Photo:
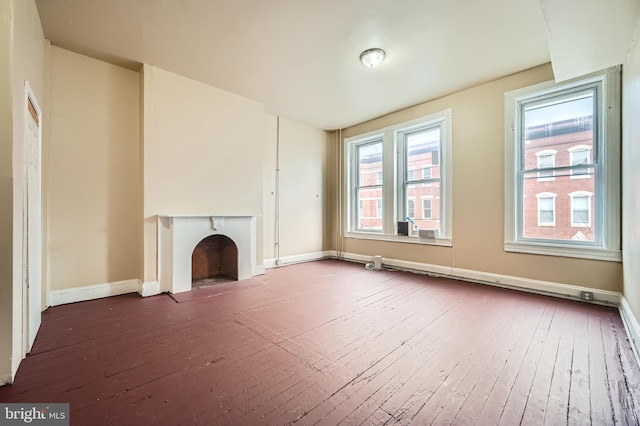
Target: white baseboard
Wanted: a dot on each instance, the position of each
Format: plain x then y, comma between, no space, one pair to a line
631,325
298,258
258,270
98,291
566,291
149,288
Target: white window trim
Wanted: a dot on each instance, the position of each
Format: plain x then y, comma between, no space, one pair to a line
430,168
589,154
430,199
351,209
412,198
547,195
390,183
545,153
609,127
589,196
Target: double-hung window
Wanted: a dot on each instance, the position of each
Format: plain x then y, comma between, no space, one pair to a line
367,189
562,191
413,162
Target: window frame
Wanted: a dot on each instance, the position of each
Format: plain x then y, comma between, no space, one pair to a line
358,177
394,201
411,205
547,196
607,131
551,172
572,151
424,209
581,194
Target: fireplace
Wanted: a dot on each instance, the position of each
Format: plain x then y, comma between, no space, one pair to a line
214,261
183,237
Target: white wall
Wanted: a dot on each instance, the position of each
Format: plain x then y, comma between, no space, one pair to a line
6,195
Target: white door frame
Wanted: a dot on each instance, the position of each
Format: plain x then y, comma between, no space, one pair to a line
32,224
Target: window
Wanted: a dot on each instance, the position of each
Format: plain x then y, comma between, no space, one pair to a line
546,209
580,156
368,188
412,162
417,145
426,208
426,173
411,209
546,163
562,164
580,209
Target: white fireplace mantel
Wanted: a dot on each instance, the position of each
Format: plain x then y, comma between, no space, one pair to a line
178,235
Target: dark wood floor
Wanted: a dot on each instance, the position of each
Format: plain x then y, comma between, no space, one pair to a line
332,343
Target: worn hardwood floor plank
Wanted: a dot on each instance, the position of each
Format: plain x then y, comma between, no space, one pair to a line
331,343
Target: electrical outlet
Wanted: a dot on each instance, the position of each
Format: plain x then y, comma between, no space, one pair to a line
586,295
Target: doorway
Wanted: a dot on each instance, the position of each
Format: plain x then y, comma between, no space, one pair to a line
32,220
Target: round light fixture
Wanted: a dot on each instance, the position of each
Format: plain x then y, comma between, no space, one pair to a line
372,57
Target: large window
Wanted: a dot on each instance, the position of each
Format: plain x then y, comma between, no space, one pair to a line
418,146
562,184
368,187
412,161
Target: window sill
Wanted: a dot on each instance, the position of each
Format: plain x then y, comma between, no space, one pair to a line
594,253
411,239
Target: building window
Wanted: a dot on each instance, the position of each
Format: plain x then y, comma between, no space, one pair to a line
557,136
546,163
546,209
421,169
411,209
378,209
426,208
580,209
580,160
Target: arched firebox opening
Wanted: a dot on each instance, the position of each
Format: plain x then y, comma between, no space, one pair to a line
214,261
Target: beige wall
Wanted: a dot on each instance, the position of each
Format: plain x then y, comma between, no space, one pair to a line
478,195
22,55
203,154
93,172
631,180
301,152
6,195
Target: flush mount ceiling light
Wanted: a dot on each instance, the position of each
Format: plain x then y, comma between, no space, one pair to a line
372,57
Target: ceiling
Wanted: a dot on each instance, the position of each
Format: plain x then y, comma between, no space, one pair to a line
300,57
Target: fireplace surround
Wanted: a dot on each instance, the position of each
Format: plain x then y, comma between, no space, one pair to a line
178,235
